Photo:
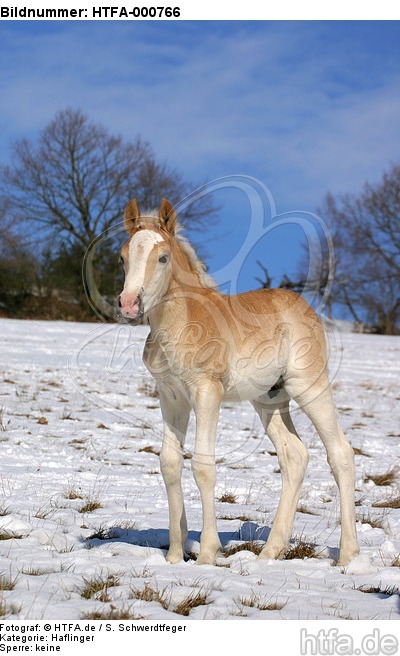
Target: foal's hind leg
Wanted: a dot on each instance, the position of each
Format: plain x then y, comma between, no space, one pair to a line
319,407
293,459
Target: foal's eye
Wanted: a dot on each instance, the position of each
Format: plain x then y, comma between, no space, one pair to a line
163,259
121,261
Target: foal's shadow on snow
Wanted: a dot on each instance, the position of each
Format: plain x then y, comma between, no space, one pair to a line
158,538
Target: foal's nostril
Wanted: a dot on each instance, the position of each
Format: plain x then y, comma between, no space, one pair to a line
119,301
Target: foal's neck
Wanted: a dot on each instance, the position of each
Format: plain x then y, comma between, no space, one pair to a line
184,297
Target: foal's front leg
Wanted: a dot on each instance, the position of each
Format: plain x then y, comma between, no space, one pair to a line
207,403
176,410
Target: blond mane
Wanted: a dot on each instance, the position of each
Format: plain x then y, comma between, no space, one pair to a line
195,262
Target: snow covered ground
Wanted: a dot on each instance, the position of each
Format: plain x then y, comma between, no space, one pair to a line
83,511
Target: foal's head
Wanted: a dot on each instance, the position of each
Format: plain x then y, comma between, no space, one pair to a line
147,259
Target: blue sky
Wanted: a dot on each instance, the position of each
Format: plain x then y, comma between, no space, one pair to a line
305,107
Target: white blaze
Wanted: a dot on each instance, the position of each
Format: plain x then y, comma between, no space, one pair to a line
140,247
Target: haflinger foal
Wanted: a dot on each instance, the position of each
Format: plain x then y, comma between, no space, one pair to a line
266,346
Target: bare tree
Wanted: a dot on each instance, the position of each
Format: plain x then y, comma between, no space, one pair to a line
366,265
75,181
266,280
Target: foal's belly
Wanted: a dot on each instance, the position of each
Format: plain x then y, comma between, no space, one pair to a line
250,386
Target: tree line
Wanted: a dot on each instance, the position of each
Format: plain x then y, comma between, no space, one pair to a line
59,192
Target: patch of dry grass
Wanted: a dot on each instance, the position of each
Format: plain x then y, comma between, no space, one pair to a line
111,532
150,449
72,493
301,550
360,452
374,522
148,593
98,587
241,518
194,599
379,589
227,497
6,535
302,508
253,546
90,505
384,479
392,502
261,602
7,583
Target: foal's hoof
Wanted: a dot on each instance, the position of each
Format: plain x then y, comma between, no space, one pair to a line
346,558
207,557
174,557
205,560
270,553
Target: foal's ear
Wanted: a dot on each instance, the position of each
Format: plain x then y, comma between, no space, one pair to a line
131,216
167,216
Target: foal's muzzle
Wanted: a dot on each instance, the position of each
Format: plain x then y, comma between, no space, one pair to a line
131,306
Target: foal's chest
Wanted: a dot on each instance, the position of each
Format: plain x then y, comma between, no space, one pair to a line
186,356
